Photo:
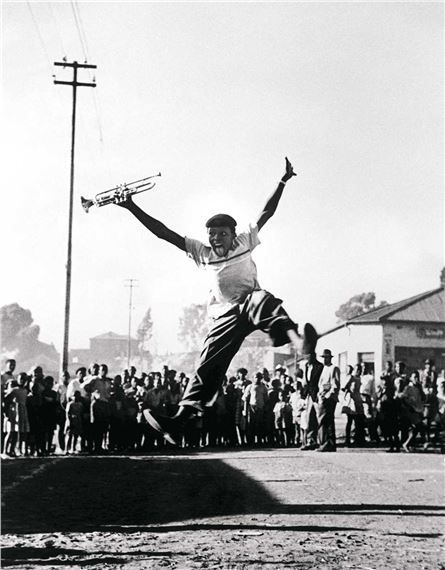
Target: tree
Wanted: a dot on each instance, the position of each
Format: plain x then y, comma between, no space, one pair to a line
358,305
19,334
144,334
193,326
14,320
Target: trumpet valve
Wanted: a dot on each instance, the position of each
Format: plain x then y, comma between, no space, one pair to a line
120,194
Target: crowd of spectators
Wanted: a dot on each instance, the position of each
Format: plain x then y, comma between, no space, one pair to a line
92,413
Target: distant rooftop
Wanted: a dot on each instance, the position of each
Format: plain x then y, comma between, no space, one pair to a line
111,336
425,307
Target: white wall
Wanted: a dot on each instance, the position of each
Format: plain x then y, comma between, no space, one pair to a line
354,339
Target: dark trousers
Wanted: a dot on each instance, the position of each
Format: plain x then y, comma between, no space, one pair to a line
326,423
260,310
98,430
312,421
116,434
255,423
359,429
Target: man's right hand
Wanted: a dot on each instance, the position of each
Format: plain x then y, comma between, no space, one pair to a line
125,201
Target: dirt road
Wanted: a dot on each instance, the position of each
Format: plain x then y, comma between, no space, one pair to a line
268,509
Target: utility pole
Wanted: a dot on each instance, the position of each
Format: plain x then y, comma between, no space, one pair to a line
131,284
75,84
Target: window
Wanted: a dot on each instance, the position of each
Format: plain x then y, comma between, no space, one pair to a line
366,358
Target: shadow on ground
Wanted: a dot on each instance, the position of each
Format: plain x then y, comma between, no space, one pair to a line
126,495
150,494
83,494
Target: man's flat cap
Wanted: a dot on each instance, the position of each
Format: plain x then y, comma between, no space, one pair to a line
221,220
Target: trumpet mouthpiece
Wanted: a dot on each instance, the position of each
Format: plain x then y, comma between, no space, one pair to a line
86,204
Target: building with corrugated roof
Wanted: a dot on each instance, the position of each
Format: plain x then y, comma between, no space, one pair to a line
410,330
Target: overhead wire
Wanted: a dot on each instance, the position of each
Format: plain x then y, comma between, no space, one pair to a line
39,35
84,43
81,26
43,46
56,26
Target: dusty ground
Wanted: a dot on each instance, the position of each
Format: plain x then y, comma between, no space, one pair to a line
268,509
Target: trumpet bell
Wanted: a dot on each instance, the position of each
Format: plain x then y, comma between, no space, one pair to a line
86,204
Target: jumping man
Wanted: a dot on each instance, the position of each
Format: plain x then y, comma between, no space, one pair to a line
237,305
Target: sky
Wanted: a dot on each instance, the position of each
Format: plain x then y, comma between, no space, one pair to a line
214,96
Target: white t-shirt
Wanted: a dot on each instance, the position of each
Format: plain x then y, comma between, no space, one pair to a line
75,386
234,276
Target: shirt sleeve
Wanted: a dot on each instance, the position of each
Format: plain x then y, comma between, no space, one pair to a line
250,238
196,250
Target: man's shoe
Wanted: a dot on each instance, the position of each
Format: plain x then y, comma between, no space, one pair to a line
310,339
170,428
185,413
309,447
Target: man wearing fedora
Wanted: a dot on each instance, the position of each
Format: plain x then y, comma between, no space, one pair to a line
328,388
428,375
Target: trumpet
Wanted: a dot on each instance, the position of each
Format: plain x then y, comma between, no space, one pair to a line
119,193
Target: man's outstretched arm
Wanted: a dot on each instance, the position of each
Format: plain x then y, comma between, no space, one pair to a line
271,205
155,226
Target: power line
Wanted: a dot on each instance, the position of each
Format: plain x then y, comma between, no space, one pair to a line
56,25
42,41
82,27
82,43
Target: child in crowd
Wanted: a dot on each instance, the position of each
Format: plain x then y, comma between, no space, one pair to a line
368,392
412,410
430,409
297,401
233,406
16,423
74,421
132,427
34,407
304,423
141,428
50,402
283,419
388,412
240,414
117,403
100,417
353,408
